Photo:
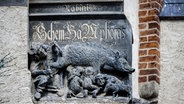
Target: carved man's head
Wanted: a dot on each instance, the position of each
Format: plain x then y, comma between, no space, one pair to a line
75,70
100,79
38,53
89,71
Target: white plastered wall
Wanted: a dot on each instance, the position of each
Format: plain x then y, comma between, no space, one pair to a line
172,62
131,11
15,81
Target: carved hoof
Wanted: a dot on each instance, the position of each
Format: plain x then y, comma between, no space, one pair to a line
37,96
85,92
95,93
94,96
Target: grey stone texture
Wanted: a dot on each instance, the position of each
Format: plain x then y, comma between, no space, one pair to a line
149,90
15,81
172,64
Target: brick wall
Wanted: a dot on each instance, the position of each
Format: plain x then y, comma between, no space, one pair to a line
149,51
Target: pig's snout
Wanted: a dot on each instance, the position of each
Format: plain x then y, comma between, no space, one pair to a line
132,70
129,69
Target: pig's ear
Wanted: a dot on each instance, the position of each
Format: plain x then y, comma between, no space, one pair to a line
124,55
117,55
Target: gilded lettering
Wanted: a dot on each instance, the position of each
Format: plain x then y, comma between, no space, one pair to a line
123,34
73,9
93,28
86,30
109,32
79,35
79,8
71,31
39,32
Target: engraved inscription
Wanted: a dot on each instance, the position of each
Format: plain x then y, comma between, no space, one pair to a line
75,8
74,31
82,8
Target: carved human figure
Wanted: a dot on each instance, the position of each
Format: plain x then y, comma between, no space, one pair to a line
83,62
53,53
88,77
42,81
42,74
75,82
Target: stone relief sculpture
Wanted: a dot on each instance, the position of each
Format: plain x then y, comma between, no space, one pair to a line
111,84
79,54
89,82
74,81
91,58
42,74
83,63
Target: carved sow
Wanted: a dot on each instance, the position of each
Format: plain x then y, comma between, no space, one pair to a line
89,54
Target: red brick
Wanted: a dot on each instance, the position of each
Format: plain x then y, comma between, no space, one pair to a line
149,32
154,25
150,5
158,1
153,65
154,52
142,13
149,45
161,3
143,39
149,19
142,26
143,1
144,6
149,59
143,65
143,52
149,62
154,78
149,71
155,5
153,12
154,0
143,79
154,38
